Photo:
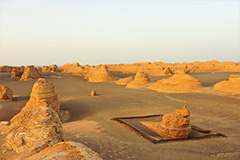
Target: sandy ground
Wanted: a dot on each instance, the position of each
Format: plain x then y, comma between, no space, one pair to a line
90,121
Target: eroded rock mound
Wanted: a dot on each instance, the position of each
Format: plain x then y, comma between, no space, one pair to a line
93,93
65,151
17,72
125,81
51,68
5,93
101,75
38,125
30,72
73,69
173,126
141,79
45,91
230,86
180,82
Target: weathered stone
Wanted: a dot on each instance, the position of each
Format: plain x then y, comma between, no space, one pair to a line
45,91
30,72
93,93
16,72
5,93
180,82
125,81
141,79
4,123
64,115
230,86
173,126
101,75
66,151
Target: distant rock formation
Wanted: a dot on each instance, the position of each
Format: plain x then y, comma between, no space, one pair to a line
73,69
180,82
8,69
101,75
173,126
93,93
124,81
17,72
141,79
66,151
166,72
230,86
51,68
30,72
5,93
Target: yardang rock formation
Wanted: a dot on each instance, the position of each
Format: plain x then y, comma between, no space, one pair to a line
173,126
141,79
230,86
30,72
180,82
5,93
101,75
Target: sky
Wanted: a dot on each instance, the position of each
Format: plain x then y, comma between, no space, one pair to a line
44,32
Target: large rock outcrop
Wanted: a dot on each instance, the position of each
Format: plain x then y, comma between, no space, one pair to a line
180,82
38,125
30,72
230,86
124,81
173,126
17,72
141,79
101,75
51,68
5,93
66,151
73,69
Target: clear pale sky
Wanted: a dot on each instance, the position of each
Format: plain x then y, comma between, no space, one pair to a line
44,32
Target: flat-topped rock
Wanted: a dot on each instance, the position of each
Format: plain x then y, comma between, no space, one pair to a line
231,86
180,82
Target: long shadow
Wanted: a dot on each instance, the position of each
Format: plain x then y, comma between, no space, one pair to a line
23,98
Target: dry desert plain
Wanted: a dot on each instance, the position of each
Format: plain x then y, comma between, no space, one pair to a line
90,122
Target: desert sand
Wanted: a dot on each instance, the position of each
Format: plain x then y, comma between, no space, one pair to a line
90,122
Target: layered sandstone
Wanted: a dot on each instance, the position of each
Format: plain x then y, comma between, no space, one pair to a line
180,82
230,86
51,68
124,81
38,125
45,91
30,72
101,75
173,126
141,79
66,151
5,93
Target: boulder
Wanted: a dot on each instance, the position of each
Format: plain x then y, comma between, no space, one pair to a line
180,82
230,86
173,126
125,81
93,93
101,75
5,93
141,79
65,151
16,72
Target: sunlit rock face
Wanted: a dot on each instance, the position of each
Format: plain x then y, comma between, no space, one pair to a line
230,86
173,126
101,75
5,93
38,125
30,72
180,82
66,151
124,81
141,79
